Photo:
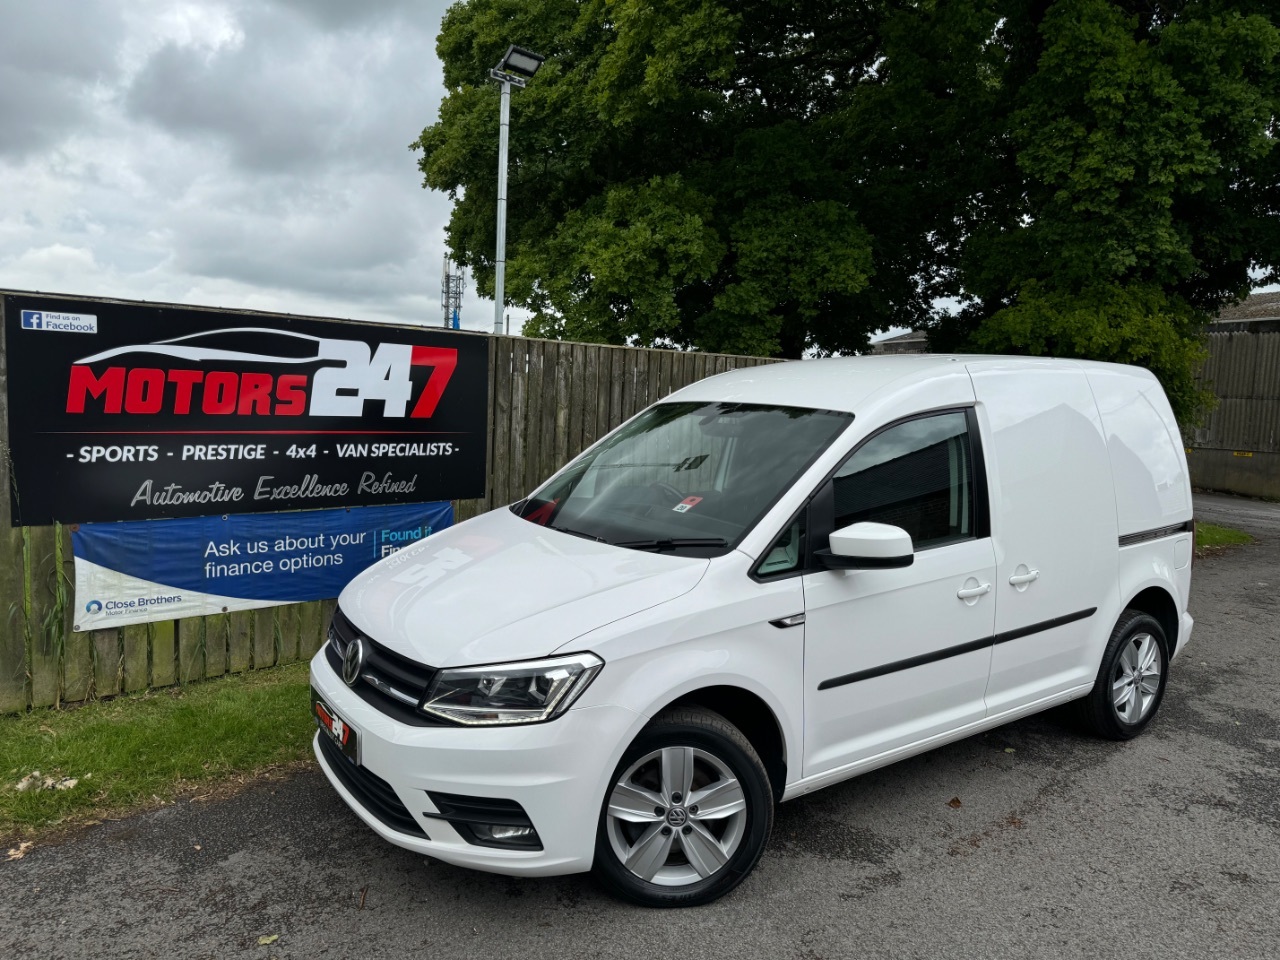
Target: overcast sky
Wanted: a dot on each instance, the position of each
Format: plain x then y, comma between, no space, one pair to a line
224,152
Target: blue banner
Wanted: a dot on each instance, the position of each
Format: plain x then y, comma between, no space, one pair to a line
138,571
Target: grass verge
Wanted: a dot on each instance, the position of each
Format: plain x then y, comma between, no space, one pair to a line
1211,538
134,752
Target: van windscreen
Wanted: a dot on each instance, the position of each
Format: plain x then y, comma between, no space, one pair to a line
685,477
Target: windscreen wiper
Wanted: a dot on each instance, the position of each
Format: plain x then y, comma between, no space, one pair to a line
577,533
672,543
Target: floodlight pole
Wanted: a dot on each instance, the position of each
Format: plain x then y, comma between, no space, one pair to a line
500,260
515,69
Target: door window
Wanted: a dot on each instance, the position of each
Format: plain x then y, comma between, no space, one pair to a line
917,475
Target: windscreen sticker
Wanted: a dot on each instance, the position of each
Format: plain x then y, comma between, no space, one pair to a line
687,504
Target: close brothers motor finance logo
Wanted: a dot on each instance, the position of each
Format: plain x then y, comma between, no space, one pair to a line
162,377
118,607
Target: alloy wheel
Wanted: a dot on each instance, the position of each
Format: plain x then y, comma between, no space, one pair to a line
676,816
1136,679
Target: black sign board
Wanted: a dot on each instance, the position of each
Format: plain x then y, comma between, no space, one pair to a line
125,411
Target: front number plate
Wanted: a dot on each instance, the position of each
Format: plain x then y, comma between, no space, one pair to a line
335,728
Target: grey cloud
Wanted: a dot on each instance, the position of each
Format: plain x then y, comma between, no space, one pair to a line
351,238
34,118
265,165
52,56
267,122
345,12
70,38
294,96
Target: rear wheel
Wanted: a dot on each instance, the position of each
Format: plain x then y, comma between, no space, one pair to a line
687,814
1131,680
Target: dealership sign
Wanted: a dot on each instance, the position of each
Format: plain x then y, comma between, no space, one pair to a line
166,569
121,411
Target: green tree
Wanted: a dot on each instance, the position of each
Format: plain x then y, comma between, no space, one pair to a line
1074,177
675,172
1141,186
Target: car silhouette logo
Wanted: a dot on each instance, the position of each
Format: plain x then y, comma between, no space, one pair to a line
284,346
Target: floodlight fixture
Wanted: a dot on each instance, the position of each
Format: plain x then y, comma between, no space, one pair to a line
520,61
515,69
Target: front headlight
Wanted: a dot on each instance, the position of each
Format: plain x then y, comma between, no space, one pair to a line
508,693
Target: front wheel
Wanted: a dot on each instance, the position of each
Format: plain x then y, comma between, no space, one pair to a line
687,814
1131,680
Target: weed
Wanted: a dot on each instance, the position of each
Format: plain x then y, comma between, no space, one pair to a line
1211,538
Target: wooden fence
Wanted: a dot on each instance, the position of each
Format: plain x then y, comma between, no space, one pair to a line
547,401
1238,447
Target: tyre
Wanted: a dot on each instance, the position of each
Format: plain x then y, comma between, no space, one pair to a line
687,813
1131,680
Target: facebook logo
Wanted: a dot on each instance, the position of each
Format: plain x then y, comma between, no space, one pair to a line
52,321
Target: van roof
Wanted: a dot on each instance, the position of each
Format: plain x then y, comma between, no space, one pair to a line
844,383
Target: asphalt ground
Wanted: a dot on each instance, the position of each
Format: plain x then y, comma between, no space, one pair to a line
1061,846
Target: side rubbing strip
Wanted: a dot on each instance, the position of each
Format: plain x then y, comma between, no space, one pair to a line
956,651
1043,625
1129,539
894,667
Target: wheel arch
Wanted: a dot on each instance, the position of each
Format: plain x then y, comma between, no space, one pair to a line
753,716
1157,601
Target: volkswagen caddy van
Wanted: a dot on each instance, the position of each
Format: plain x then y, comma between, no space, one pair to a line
771,581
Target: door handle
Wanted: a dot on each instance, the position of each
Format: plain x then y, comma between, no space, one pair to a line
1020,578
965,593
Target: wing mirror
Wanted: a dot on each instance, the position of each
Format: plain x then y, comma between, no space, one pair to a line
867,546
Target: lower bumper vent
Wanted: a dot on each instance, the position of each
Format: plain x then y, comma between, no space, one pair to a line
372,792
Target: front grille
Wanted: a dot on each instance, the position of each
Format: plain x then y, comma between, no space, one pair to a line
383,669
371,791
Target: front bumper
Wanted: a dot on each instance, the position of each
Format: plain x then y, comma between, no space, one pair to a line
556,771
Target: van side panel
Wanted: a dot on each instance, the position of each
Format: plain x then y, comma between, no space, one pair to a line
1053,521
1165,564
1153,485
1153,489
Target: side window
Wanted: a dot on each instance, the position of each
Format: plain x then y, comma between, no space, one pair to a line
787,552
917,475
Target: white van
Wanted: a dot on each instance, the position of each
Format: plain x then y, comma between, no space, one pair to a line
774,580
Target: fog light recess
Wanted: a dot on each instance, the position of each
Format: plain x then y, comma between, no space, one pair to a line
486,821
502,835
